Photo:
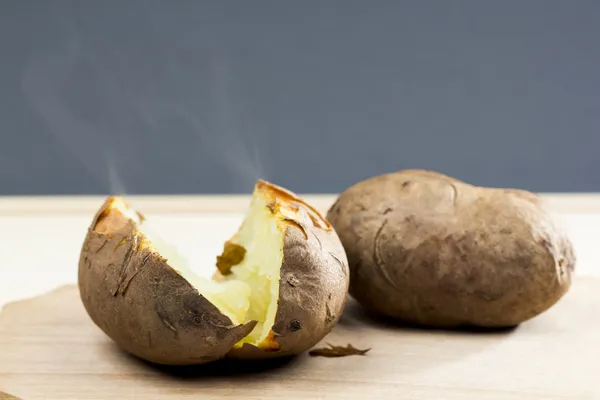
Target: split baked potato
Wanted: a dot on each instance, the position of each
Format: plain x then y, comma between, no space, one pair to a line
280,284
428,249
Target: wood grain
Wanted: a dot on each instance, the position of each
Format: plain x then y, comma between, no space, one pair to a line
49,349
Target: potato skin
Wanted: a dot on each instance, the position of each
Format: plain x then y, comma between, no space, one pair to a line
312,290
428,249
146,307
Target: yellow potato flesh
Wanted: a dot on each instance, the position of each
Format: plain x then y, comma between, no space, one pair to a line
262,237
251,290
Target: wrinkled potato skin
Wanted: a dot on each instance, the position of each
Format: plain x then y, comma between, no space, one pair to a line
428,249
312,290
144,305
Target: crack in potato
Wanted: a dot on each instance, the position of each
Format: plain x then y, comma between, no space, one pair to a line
318,240
166,322
128,280
124,266
297,224
455,194
344,269
377,256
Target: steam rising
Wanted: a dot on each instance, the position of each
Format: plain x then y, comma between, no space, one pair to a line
116,185
233,144
238,153
242,156
42,78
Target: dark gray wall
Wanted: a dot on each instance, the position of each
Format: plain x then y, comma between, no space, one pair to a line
205,96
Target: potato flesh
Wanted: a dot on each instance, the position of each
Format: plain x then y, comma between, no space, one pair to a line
262,237
251,291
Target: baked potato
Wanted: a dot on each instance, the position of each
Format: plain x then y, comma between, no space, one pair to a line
430,250
279,287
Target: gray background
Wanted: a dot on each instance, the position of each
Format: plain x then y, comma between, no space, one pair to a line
206,96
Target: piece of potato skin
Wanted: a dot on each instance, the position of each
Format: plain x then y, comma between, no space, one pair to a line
428,249
313,286
145,306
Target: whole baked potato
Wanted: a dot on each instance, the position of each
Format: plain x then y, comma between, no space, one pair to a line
280,284
428,249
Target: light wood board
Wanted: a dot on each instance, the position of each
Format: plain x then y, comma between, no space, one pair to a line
49,349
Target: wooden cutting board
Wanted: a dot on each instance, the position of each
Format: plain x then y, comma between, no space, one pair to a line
49,349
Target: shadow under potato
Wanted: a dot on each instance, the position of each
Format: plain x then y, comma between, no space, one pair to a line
224,368
355,314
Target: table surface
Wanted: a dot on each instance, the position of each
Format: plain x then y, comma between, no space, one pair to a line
40,237
50,350
40,240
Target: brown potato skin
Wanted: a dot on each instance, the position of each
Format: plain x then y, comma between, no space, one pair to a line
146,307
428,249
312,292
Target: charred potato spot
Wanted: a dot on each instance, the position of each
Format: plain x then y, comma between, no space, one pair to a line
273,207
264,299
269,344
429,249
233,254
292,204
294,326
109,222
317,221
111,219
